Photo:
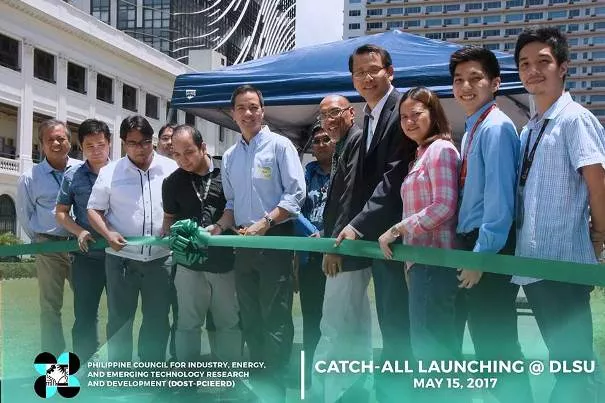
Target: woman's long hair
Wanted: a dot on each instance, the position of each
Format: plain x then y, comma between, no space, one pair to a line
440,126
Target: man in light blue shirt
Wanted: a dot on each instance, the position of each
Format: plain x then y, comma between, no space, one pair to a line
560,202
490,149
36,199
264,186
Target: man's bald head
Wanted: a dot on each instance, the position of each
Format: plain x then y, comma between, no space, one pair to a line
336,115
335,99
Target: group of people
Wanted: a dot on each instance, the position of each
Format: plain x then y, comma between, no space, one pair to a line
398,178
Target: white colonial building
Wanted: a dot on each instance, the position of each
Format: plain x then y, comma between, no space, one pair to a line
58,61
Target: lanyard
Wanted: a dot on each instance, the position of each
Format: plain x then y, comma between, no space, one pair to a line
201,198
528,160
471,135
55,177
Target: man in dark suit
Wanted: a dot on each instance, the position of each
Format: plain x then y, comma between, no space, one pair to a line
346,323
369,157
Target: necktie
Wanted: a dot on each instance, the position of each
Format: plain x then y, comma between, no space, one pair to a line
368,124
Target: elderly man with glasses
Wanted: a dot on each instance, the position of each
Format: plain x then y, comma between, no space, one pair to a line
126,200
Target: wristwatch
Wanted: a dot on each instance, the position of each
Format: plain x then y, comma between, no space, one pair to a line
269,220
395,232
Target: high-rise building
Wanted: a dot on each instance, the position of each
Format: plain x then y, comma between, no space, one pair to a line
240,30
495,25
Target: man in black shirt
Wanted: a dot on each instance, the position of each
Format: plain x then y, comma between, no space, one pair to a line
194,191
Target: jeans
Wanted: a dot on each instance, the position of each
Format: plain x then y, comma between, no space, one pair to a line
563,314
432,293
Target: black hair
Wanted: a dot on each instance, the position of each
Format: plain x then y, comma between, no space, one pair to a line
242,89
485,57
91,127
553,37
385,56
195,134
136,122
166,126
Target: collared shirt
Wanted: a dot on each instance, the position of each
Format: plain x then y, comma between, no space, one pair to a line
37,192
555,195
75,191
262,175
430,196
374,115
487,201
132,201
317,182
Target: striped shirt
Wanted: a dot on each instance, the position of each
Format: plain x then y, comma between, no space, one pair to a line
430,196
555,215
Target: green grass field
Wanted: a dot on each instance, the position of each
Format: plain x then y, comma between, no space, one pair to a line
20,327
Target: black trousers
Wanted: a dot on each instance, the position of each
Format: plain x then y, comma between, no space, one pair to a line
264,285
312,285
393,312
490,309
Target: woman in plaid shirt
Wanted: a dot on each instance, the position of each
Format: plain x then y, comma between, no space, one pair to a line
430,198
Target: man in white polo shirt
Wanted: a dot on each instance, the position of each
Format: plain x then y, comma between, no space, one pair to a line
126,200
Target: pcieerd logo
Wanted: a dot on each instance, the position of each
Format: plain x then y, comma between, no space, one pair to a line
57,375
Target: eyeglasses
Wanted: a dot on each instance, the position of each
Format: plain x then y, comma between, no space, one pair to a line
331,114
141,144
321,140
373,73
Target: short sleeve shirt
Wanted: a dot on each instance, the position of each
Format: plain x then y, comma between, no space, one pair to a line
75,191
180,197
555,196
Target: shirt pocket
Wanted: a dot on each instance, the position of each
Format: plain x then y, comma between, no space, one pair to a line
264,169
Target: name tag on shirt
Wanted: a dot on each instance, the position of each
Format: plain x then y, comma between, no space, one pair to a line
262,172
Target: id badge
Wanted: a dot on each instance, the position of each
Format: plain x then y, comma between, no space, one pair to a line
519,207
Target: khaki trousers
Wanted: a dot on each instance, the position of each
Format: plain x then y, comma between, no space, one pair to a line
52,270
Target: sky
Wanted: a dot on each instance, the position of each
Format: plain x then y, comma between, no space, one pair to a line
318,21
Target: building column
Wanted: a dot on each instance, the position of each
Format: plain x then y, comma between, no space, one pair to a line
116,150
62,88
113,13
25,126
91,91
141,104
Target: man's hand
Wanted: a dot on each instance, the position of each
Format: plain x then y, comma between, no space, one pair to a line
347,233
468,278
116,241
214,229
83,238
259,228
597,238
331,264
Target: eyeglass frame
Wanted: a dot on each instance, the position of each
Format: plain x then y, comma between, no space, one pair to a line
361,75
322,117
321,140
138,144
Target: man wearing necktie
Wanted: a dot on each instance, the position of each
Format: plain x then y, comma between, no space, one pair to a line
36,199
381,144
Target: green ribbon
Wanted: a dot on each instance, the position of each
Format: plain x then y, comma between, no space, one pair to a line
189,244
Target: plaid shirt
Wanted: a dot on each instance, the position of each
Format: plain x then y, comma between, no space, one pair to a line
430,196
